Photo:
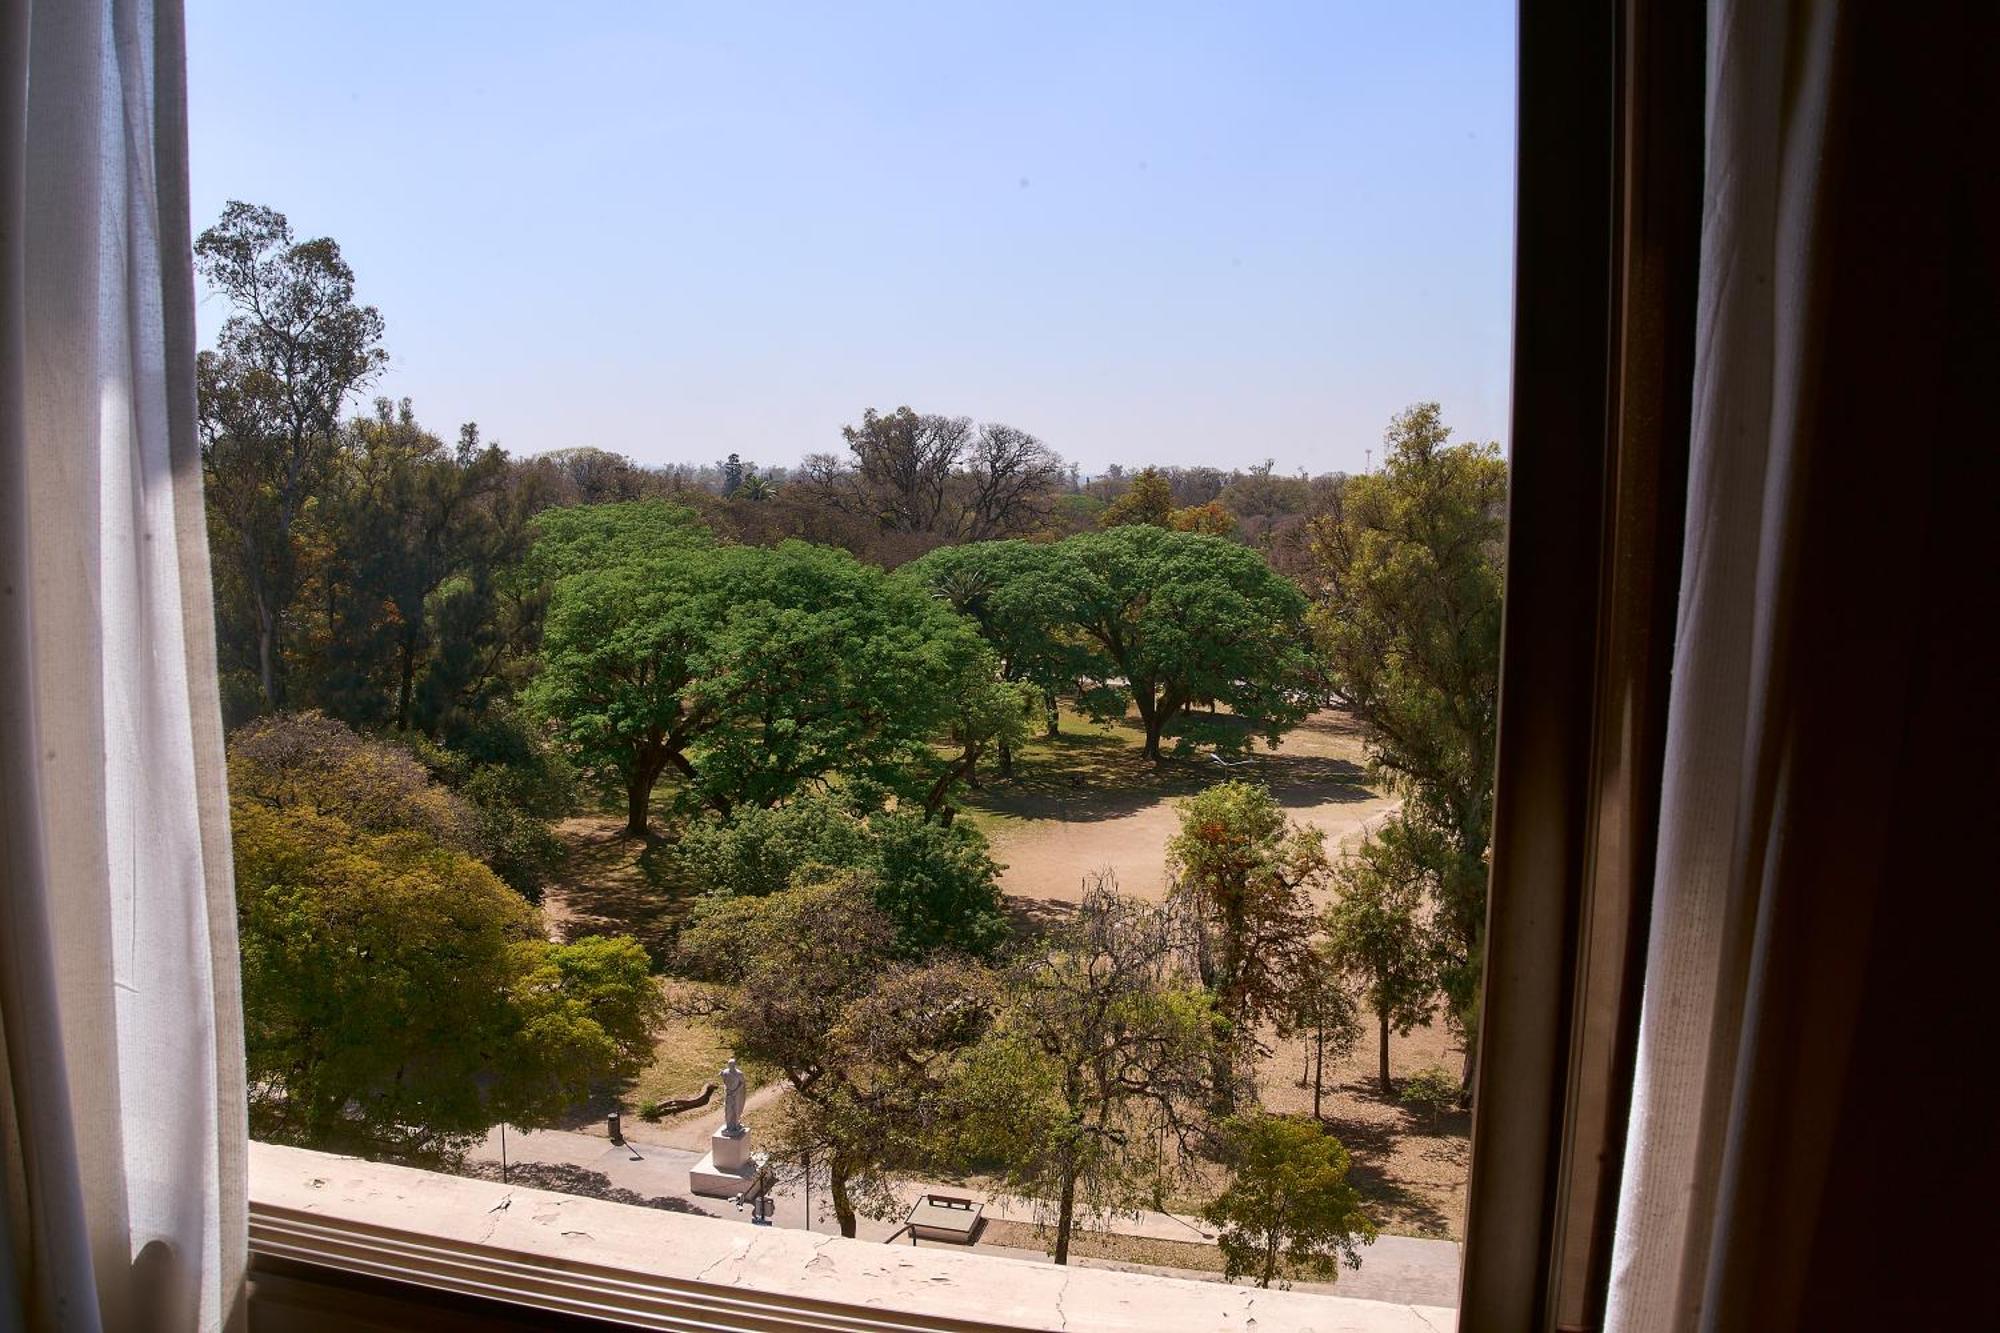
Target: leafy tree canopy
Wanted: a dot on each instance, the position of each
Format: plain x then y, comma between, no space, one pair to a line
936,883
1149,499
1408,567
1289,1204
1246,875
752,672
1378,933
1184,618
397,997
1099,1056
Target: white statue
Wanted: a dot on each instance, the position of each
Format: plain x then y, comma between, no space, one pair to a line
732,1099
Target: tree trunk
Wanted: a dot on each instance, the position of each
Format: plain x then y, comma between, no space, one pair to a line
1471,1068
1005,761
639,797
1388,1088
267,659
407,686
1065,1215
1052,713
1319,1067
837,1174
1270,1257
1152,750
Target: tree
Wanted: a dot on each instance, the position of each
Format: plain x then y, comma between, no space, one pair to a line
1209,517
1182,617
1408,567
1010,481
1095,1059
294,347
397,997
938,885
890,1110
417,544
863,1042
1149,499
1245,876
1288,1201
751,672
1016,593
1378,935
582,539
732,475
1321,1010
936,477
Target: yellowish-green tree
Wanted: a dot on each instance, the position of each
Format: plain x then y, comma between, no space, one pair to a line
1407,574
1289,1204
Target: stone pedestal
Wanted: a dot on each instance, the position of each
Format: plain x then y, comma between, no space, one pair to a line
727,1169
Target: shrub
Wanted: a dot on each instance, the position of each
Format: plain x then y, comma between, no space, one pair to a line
1434,1090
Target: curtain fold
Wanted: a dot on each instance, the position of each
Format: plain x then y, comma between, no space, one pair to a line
1821,922
118,967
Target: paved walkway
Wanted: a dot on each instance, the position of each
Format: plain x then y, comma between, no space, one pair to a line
1404,1269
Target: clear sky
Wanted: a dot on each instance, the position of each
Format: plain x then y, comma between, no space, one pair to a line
1173,233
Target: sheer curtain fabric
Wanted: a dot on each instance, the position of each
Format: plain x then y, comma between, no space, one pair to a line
122,1110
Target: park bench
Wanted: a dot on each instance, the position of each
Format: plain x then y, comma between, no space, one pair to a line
946,1217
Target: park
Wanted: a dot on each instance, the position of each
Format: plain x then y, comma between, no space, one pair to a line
925,835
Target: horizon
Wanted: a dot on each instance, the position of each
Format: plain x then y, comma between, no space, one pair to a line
1172,238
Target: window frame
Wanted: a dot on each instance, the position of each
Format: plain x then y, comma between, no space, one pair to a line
1608,246
1608,171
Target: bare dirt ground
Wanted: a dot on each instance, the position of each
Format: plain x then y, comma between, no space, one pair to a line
1088,800
1411,1170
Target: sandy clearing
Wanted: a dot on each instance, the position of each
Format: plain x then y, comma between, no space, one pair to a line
1050,836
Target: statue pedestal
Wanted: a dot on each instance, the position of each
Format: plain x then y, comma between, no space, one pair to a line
727,1169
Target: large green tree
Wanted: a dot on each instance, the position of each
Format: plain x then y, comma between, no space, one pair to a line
417,538
294,348
398,998
1183,618
1288,1202
1408,573
1015,593
937,883
752,673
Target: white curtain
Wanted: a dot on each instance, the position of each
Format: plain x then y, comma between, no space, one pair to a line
1768,71
122,1111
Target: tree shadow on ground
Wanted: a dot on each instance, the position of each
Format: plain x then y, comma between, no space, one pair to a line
1371,1144
1031,917
1395,1207
612,884
564,1178
1085,778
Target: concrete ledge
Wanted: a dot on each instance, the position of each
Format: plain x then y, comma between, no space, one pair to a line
653,1268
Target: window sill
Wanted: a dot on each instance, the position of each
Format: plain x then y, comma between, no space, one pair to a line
655,1269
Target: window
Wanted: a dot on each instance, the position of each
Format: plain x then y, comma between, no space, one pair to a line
774,752
975,592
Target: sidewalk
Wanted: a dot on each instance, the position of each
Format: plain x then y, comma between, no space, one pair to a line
1404,1269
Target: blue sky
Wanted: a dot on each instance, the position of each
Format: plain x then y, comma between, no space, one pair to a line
1183,234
